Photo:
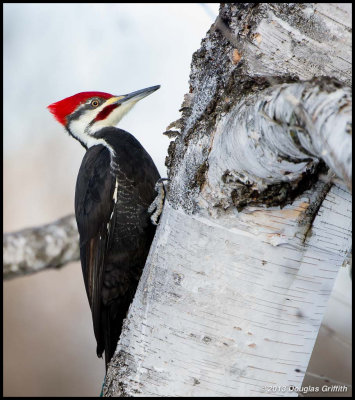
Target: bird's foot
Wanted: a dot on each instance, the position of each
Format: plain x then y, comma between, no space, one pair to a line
156,208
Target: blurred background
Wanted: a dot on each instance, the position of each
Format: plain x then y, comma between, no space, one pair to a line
52,51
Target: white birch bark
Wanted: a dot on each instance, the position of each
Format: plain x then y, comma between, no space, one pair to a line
254,230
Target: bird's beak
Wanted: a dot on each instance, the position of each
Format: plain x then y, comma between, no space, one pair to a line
134,96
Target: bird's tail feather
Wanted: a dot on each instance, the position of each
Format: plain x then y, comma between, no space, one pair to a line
112,323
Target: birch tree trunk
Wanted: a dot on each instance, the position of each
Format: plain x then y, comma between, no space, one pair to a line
255,226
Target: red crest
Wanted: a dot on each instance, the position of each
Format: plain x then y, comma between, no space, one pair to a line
61,109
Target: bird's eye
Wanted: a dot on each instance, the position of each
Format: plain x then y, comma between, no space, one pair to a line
95,103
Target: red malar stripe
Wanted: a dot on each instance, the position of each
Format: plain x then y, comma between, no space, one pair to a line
106,112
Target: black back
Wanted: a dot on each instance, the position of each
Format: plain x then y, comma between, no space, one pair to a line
115,236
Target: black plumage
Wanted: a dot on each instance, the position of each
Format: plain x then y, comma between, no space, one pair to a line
112,196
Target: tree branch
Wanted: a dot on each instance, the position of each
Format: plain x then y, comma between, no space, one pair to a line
277,136
253,47
34,249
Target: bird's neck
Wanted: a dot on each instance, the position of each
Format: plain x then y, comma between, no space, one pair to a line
88,141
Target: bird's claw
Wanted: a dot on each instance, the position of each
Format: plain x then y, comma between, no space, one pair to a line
156,208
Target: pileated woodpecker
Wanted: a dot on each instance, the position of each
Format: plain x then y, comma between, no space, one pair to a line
114,188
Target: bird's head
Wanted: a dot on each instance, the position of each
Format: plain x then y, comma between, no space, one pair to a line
85,113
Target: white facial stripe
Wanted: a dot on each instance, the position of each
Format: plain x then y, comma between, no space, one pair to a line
84,128
113,118
79,126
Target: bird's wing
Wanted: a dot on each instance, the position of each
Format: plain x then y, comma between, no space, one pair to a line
93,209
115,231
